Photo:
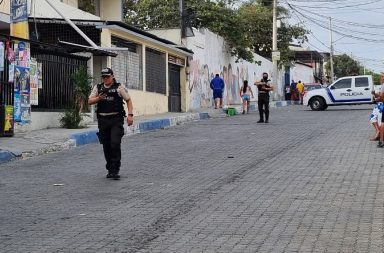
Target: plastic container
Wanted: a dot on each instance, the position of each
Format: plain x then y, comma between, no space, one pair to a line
231,111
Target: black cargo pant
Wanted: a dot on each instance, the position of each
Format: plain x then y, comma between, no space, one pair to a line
111,130
263,105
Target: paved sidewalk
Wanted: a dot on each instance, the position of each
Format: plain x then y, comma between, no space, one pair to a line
24,145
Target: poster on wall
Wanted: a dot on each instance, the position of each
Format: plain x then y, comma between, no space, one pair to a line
22,102
40,74
11,75
34,83
2,53
22,52
8,124
17,107
19,19
26,114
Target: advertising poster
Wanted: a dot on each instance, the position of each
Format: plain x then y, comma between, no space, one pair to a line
22,100
22,51
40,74
8,118
11,76
19,19
34,83
2,53
17,107
26,114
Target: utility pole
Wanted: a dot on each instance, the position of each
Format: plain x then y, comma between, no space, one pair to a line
331,50
182,18
275,53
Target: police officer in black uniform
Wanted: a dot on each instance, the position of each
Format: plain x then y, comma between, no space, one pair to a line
264,87
109,97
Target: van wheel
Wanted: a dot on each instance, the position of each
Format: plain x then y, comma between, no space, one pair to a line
317,104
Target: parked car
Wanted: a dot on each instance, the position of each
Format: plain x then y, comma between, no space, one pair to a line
347,90
311,86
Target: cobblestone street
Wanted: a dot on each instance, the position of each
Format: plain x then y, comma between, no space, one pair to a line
306,182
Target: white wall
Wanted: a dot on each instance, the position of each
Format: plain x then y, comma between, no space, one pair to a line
173,35
73,3
111,10
42,120
302,73
211,56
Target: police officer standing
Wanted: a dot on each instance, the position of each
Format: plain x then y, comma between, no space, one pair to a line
264,87
109,97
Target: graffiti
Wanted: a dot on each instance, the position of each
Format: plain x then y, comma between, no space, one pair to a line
199,88
211,57
200,76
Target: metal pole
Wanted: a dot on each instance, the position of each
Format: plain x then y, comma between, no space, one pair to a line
274,48
182,23
331,49
73,25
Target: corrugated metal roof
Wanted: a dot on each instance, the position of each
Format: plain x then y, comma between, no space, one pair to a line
42,9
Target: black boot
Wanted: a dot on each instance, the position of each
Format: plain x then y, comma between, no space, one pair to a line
261,114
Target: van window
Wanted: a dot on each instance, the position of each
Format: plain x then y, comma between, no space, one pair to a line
343,84
361,82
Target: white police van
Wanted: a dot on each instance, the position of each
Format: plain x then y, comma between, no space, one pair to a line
348,90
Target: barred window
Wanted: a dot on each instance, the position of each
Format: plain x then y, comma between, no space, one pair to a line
127,65
155,71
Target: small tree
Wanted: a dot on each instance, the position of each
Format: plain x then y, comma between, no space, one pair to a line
82,82
344,65
82,88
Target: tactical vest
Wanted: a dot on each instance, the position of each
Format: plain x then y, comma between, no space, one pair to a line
261,89
113,102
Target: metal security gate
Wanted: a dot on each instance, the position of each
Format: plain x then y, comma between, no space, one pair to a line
174,98
6,88
57,92
156,74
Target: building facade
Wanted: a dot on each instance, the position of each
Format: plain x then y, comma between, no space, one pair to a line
153,69
212,56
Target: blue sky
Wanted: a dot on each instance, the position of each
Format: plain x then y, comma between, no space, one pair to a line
358,27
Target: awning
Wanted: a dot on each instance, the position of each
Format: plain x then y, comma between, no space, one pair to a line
77,48
62,47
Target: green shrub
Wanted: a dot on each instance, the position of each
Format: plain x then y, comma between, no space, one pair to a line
82,82
71,119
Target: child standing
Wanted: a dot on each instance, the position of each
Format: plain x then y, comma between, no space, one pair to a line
245,94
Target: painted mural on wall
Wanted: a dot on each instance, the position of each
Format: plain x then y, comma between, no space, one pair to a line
212,57
201,76
199,79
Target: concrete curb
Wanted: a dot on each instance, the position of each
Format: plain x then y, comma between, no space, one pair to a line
147,126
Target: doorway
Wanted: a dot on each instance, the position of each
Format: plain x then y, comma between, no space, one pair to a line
174,98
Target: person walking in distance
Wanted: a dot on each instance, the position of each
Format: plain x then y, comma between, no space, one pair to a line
264,87
109,97
217,85
245,94
293,90
300,91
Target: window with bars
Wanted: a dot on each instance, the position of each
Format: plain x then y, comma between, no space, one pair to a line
127,65
155,63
